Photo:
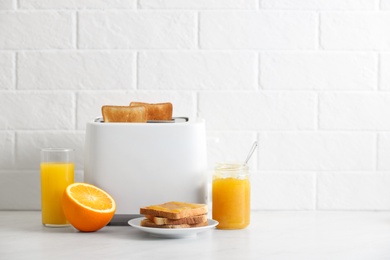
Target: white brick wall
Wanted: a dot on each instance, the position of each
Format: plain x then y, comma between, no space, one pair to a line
355,30
271,30
36,30
309,79
255,110
76,70
318,70
199,70
137,30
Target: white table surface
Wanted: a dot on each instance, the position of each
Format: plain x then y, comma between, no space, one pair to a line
271,235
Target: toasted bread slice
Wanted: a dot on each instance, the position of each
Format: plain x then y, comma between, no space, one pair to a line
174,210
124,114
188,220
157,111
147,223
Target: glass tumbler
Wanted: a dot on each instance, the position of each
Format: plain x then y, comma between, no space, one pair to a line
231,195
57,172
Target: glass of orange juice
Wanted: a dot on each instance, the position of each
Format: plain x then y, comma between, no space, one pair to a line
57,172
231,195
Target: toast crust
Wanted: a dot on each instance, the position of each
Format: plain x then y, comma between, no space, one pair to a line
175,210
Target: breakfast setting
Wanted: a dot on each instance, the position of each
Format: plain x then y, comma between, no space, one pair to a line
195,129
180,196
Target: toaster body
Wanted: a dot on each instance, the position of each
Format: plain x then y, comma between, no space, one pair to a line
141,164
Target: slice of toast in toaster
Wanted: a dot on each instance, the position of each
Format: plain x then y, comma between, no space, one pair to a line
124,114
147,223
187,220
175,210
157,111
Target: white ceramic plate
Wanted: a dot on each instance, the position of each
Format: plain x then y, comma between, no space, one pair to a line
172,232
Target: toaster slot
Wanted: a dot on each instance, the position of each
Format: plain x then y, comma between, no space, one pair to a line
174,120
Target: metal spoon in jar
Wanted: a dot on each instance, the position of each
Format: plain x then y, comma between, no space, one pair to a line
253,148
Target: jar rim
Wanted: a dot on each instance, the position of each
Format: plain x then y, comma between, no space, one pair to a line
231,166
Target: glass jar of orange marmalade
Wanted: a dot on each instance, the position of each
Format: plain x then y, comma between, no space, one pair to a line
231,195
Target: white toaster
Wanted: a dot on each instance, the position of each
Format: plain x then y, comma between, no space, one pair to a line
141,164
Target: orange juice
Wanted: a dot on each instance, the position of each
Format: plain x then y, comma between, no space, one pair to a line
55,177
231,198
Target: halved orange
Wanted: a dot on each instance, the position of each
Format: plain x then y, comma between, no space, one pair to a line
87,207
